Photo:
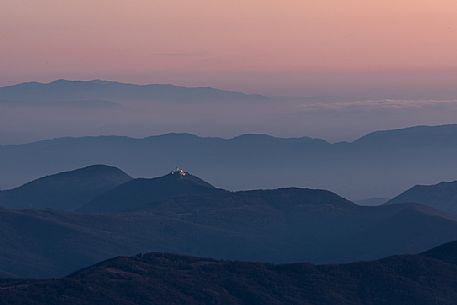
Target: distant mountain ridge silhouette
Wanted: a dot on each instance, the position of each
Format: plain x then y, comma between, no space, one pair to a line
66,190
380,165
441,196
112,91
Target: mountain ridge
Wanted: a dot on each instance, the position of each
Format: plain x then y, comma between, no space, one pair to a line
161,278
64,190
65,89
137,193
361,139
248,161
441,196
281,225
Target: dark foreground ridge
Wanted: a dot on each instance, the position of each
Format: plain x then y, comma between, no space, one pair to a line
156,278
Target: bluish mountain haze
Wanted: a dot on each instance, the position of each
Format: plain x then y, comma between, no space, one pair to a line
441,196
381,164
371,201
66,90
78,108
186,215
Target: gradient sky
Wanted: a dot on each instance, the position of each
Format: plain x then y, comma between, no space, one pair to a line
287,47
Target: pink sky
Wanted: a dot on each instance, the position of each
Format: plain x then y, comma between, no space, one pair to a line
274,47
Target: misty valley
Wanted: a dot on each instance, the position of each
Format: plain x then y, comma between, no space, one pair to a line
203,152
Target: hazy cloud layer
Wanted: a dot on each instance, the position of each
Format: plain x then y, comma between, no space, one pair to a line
332,120
378,104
